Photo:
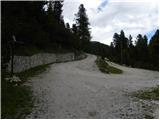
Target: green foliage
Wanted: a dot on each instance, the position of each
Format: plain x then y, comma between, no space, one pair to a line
151,94
104,67
154,50
140,55
16,101
114,70
82,25
36,28
99,49
57,11
25,75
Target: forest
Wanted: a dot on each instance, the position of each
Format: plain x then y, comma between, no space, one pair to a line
38,28
141,54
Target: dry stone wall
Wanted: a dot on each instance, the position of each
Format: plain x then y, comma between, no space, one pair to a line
22,63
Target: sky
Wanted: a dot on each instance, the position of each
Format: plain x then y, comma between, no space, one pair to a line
107,17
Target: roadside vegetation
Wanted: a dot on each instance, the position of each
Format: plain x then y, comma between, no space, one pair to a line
17,99
140,55
106,68
151,94
25,75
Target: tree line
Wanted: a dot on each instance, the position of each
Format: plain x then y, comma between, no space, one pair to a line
141,54
40,25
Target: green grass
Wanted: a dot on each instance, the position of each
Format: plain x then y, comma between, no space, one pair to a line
17,101
151,94
114,70
105,68
148,116
24,75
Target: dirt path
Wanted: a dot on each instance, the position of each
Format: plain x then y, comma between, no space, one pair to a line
79,90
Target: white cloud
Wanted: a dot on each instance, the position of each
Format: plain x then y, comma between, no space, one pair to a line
133,17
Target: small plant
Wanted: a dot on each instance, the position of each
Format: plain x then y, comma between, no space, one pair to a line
14,80
152,94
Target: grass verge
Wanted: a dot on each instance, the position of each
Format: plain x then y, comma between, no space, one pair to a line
24,75
17,101
151,94
105,68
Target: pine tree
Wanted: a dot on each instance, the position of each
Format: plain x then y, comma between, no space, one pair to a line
117,44
154,50
130,42
68,26
82,24
139,55
57,10
116,41
50,8
141,50
74,29
123,39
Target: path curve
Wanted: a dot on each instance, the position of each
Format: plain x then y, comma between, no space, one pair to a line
79,90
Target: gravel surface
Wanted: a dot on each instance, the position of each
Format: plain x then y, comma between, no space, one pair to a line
79,90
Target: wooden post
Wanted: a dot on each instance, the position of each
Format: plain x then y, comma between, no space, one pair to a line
12,55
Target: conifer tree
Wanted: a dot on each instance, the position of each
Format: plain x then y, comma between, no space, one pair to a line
57,10
82,24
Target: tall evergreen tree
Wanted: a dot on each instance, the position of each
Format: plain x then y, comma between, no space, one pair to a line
57,10
154,50
117,44
123,39
141,47
74,29
116,41
130,42
124,46
82,24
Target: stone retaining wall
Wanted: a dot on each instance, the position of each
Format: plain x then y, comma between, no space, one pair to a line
22,63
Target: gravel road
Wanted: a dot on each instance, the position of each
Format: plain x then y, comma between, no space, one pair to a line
78,89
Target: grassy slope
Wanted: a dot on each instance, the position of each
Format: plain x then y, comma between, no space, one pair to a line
17,101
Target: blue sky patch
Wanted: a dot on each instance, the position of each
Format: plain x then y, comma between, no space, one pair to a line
102,5
151,33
